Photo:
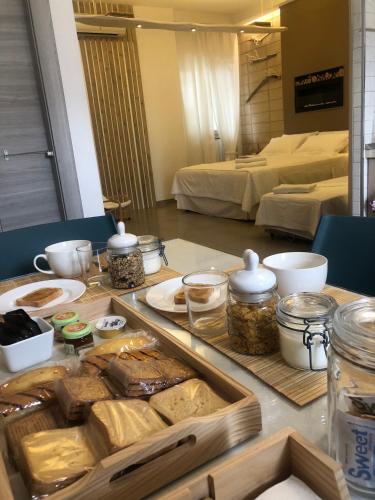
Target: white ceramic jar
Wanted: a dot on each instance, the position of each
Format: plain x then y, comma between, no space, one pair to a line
305,324
152,252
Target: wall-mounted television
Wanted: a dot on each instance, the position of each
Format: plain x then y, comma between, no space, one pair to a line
319,90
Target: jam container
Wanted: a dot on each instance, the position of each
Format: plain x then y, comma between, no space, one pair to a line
305,324
153,251
125,260
251,309
351,390
61,319
76,336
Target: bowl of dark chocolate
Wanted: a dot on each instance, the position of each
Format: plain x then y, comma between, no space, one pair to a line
17,326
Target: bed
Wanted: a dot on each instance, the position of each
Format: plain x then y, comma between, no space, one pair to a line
225,190
221,190
299,213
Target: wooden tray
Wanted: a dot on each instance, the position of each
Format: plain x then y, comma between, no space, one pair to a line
196,440
271,461
300,386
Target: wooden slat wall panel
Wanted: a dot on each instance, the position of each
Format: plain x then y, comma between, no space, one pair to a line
114,88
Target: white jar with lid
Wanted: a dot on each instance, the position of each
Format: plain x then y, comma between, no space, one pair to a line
305,324
125,259
252,303
152,252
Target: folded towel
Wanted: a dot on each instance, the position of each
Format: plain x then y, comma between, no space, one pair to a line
259,163
293,188
250,159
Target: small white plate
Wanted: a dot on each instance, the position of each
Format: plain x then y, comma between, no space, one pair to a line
72,290
161,297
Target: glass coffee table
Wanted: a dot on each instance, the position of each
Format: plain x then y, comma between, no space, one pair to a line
277,411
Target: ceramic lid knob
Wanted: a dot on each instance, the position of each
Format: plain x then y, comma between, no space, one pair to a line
252,279
122,239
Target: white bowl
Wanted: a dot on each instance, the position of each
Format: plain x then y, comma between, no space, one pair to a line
298,271
30,351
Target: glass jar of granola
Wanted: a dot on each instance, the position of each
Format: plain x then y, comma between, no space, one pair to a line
125,260
252,301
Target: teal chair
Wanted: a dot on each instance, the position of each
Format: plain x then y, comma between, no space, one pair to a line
349,245
19,247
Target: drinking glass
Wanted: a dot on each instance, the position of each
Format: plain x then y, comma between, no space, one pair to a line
94,264
206,299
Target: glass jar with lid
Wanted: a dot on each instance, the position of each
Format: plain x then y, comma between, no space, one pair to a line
351,389
153,251
305,324
125,260
251,308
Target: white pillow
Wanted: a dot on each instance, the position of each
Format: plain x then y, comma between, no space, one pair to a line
286,144
324,143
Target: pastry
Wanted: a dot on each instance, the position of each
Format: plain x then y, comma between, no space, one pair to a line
97,364
33,378
193,398
41,420
30,399
119,424
77,394
139,378
122,344
40,297
179,297
56,458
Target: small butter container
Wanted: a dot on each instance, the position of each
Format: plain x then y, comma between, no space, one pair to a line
77,336
110,326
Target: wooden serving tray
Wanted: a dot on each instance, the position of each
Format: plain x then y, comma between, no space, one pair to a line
134,471
271,461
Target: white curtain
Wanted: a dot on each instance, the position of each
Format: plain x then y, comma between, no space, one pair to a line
209,73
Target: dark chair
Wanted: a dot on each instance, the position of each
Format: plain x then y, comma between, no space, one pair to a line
349,245
19,247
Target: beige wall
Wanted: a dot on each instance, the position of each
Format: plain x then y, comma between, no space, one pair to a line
317,39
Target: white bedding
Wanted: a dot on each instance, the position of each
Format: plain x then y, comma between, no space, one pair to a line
245,186
299,213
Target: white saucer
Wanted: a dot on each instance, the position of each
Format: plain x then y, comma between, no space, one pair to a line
72,290
161,297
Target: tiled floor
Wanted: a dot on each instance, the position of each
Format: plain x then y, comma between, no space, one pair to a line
227,235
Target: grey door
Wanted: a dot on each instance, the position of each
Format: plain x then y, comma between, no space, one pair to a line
29,187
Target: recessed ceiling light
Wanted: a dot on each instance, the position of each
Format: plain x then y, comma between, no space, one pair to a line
242,31
139,25
193,29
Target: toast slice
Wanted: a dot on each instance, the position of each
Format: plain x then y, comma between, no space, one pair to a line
40,297
179,297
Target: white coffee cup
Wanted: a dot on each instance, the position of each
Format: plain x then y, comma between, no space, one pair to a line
298,271
62,258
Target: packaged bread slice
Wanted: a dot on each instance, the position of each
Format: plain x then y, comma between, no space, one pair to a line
40,297
77,394
33,378
129,342
193,398
56,458
121,423
41,420
27,401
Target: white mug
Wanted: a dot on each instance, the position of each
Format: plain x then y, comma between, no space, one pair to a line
62,258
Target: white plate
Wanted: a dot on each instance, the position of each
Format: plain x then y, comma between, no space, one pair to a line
161,297
72,290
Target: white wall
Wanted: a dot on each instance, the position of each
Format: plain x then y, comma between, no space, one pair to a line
163,101
77,106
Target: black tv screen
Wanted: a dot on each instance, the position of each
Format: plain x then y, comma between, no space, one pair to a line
320,90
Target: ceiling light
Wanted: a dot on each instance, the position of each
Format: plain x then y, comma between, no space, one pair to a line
193,29
242,31
139,25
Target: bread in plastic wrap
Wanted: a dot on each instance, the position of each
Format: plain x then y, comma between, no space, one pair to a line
96,365
41,420
139,378
76,394
121,423
193,398
129,342
32,378
30,400
56,458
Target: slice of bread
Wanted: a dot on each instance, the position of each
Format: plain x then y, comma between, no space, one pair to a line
122,344
193,398
200,293
179,297
40,297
